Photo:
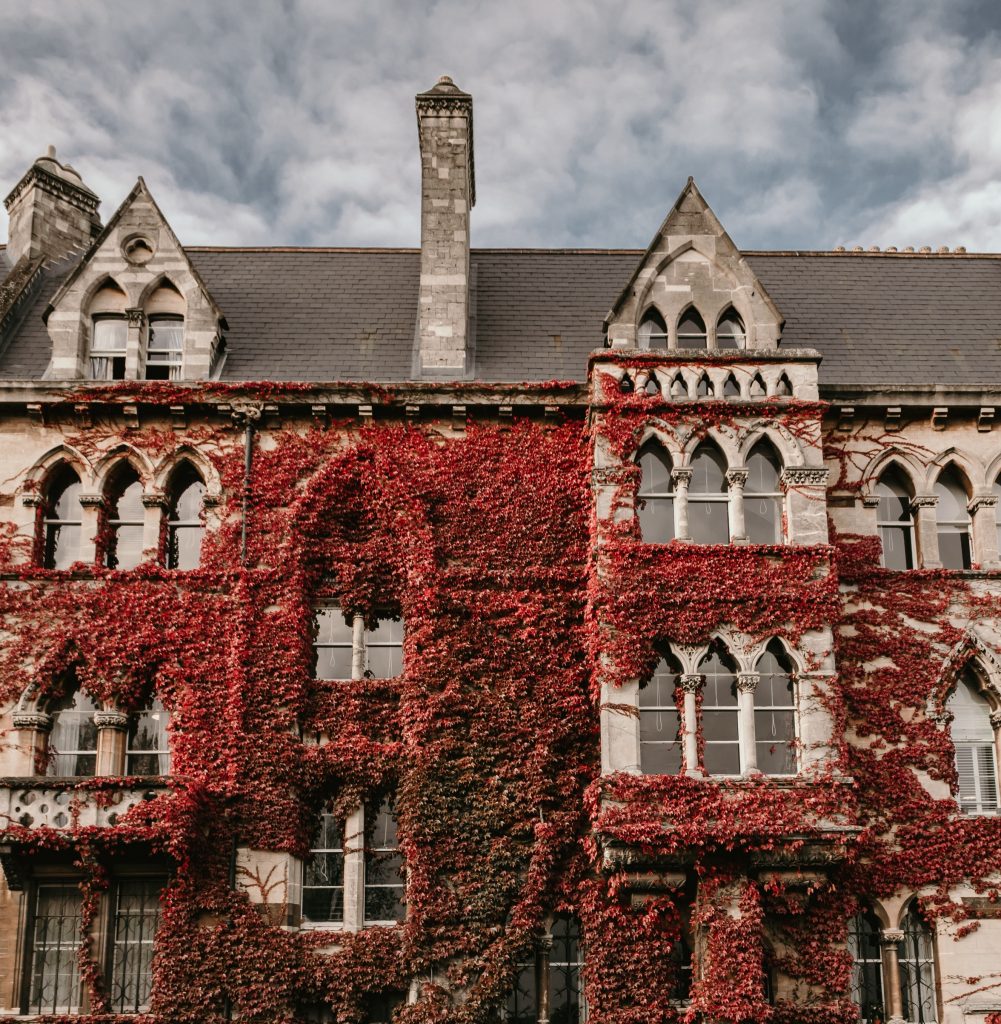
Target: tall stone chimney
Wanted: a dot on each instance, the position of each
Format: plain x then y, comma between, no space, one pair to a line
52,212
448,191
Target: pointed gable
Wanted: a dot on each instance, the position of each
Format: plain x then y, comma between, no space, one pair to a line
139,259
692,263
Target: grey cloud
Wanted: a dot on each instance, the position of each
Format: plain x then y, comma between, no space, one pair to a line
805,122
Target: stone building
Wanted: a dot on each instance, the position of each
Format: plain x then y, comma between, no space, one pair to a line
481,634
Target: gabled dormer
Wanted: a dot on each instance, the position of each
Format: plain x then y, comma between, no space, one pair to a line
135,308
693,289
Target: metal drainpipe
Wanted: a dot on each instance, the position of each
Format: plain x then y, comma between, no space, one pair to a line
247,414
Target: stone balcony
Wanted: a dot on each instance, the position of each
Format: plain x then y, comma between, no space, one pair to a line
63,803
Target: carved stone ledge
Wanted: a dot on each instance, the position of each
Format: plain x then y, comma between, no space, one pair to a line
870,501
805,476
32,500
37,720
924,501
92,500
111,720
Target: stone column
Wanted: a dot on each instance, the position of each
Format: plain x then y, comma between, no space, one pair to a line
545,947
620,728
923,506
691,684
34,727
358,648
984,528
112,735
135,347
354,870
682,478
746,684
737,478
805,504
30,523
155,505
995,720
889,940
91,515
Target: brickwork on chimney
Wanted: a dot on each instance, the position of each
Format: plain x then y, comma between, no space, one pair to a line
445,124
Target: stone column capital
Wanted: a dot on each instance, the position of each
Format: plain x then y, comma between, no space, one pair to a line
747,681
891,936
870,501
980,501
681,477
136,317
32,500
92,500
736,478
995,720
154,499
111,720
924,501
691,682
37,720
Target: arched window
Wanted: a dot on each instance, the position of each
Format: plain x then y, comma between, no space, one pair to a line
763,496
148,748
973,738
62,520
720,717
691,329
917,970
708,514
660,721
109,334
185,528
867,967
894,520
560,973
653,330
165,311
730,330
731,389
655,506
124,542
775,713
73,739
953,520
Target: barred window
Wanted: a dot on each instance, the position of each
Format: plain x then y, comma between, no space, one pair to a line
323,878
384,867
136,918
917,970
53,972
553,979
867,967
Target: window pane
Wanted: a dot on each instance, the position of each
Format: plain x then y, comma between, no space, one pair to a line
762,518
917,972
54,985
775,734
898,550
384,869
566,996
62,546
523,1003
708,522
73,739
656,516
137,917
333,644
148,751
184,546
323,877
384,649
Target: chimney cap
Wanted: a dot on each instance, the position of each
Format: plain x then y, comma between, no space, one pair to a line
444,87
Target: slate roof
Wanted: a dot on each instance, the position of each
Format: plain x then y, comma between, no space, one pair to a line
349,314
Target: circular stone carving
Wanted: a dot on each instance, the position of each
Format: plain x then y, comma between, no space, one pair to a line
138,250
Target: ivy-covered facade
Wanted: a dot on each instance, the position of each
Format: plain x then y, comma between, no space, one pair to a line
356,668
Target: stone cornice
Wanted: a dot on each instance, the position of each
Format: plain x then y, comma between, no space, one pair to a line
76,195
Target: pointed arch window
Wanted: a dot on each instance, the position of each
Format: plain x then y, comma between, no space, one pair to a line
705,387
730,332
708,514
551,987
62,520
867,967
147,751
165,347
691,329
652,332
660,720
976,747
655,506
894,520
775,713
720,714
185,529
763,495
73,740
125,514
953,520
917,970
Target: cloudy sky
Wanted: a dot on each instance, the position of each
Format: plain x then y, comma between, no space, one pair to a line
806,123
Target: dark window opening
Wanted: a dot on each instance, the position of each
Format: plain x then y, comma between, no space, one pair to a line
691,330
185,529
655,499
62,520
894,520
125,516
